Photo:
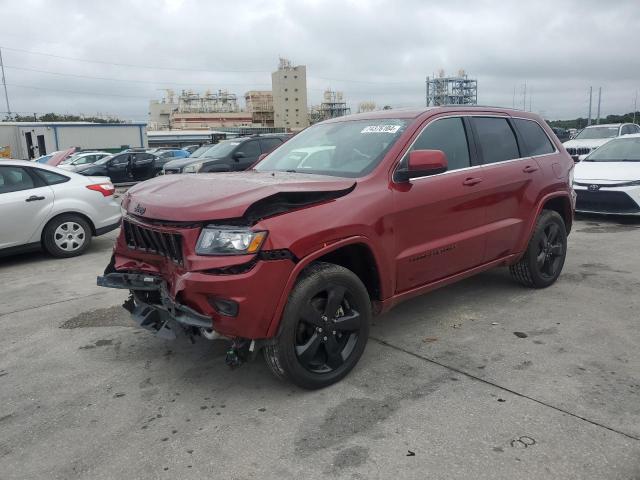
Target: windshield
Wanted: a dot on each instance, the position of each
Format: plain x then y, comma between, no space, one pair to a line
200,150
104,160
220,150
618,150
343,149
597,132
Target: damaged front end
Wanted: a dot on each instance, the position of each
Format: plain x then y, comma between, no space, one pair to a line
153,309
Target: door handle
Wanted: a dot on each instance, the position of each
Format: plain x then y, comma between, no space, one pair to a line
472,181
529,169
34,198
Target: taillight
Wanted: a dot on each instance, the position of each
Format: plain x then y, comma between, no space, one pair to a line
105,189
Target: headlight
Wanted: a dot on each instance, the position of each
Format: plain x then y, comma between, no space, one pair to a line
229,241
193,168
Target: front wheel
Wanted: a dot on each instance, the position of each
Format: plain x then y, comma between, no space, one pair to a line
541,264
324,330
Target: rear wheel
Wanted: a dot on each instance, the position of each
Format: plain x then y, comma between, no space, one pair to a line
544,258
68,235
325,327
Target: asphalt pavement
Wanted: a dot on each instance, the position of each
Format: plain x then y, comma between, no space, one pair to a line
484,379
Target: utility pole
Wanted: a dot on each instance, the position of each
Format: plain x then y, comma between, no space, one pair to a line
635,106
524,98
514,98
4,84
599,98
530,96
590,97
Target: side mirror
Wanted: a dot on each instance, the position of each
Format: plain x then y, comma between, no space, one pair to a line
239,155
423,163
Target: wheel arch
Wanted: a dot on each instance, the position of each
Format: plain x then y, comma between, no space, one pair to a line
71,212
558,202
354,253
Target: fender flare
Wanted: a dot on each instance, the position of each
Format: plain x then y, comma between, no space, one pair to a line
274,326
540,207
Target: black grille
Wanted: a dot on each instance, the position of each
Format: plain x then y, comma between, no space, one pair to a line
578,151
152,241
609,202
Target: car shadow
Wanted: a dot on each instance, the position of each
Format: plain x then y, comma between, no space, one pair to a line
99,245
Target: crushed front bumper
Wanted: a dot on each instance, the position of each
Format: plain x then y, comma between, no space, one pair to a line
166,318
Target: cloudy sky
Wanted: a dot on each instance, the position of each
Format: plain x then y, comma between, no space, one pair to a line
112,57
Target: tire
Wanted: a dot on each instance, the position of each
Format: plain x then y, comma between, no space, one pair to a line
542,262
316,347
77,232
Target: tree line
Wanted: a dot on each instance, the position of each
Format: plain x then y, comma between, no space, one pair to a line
580,122
55,117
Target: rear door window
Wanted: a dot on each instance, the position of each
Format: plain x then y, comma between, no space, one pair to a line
448,135
496,140
534,140
14,179
251,149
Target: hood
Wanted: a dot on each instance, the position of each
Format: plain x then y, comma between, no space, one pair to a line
607,171
60,156
587,142
211,196
183,162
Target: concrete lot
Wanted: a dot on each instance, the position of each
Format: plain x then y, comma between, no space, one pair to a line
83,394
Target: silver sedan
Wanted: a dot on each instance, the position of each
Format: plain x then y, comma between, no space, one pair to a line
46,207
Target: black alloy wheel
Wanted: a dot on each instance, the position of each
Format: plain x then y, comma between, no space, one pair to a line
324,327
327,331
550,251
542,262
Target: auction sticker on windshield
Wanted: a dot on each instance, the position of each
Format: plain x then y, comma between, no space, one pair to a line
381,129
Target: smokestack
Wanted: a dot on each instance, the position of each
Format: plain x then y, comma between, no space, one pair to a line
590,97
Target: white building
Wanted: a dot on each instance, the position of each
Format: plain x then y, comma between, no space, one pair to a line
28,140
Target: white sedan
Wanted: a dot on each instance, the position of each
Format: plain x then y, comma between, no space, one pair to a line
608,180
45,207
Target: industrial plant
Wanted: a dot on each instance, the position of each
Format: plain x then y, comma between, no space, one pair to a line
456,90
283,108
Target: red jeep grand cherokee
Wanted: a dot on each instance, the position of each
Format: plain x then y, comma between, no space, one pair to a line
345,220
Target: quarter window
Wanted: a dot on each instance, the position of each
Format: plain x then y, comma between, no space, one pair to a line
447,135
496,139
51,178
535,141
14,179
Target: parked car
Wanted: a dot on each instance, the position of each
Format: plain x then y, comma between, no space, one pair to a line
172,154
294,257
45,207
562,134
45,158
59,157
228,155
595,136
77,160
125,167
608,180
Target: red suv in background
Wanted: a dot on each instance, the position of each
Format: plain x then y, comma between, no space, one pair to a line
345,220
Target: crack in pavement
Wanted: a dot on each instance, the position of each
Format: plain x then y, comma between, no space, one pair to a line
506,389
52,303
